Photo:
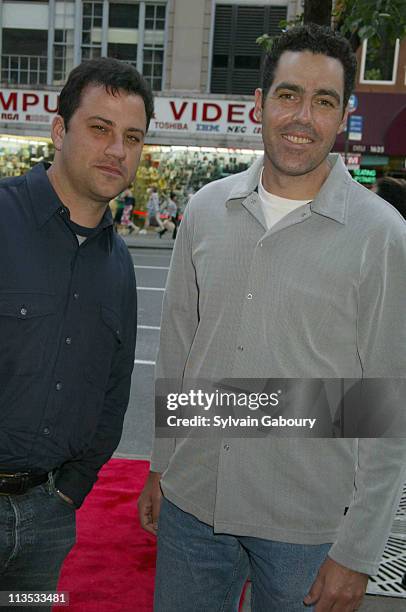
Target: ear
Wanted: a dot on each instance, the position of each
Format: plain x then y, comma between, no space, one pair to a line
343,122
258,104
58,132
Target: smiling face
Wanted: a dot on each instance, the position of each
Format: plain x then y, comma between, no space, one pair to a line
98,155
301,114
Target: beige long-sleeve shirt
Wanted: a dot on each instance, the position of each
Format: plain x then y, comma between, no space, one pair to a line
321,294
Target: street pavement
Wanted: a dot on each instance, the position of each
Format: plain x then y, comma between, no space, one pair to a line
151,256
151,269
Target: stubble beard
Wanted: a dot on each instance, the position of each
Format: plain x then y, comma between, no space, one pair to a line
300,168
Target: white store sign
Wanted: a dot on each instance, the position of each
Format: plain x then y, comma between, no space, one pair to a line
25,106
172,115
204,116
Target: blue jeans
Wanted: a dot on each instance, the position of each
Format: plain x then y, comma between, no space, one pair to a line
37,530
200,571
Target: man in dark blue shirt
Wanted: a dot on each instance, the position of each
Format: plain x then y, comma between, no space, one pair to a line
67,319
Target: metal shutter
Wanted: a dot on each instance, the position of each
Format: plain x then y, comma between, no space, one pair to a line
235,33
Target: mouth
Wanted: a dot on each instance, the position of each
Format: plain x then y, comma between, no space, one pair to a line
297,139
111,170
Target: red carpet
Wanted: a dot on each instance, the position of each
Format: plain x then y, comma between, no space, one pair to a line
111,568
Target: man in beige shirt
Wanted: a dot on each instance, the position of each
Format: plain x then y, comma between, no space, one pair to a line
316,293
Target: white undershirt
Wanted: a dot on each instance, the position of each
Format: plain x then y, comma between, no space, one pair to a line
275,207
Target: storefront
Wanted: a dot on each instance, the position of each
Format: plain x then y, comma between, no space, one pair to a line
19,153
191,141
195,140
375,141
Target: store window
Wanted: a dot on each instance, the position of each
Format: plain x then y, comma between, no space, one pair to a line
182,169
379,61
91,20
29,65
185,169
123,15
237,58
19,154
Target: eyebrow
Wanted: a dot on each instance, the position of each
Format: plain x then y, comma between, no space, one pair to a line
111,123
329,92
319,92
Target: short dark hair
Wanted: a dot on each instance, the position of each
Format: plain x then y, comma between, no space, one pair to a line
316,39
110,73
393,191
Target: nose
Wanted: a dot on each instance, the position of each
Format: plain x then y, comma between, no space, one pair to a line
304,111
115,147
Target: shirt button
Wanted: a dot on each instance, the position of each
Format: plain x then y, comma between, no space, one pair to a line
226,447
249,296
76,295
58,386
68,340
46,431
241,348
23,311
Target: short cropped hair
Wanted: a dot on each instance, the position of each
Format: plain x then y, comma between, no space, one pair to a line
316,39
110,73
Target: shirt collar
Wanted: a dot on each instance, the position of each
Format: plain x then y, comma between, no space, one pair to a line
45,201
331,201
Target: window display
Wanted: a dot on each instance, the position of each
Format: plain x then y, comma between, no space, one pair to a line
182,170
19,154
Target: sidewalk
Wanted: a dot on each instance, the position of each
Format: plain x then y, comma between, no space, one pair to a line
150,240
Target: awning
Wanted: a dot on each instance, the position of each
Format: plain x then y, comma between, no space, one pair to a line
395,138
384,125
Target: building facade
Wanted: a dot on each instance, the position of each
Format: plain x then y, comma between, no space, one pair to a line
203,63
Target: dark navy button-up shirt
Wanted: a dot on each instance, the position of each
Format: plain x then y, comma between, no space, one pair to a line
67,337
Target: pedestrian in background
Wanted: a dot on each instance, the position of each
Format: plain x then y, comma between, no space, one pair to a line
393,191
290,269
171,208
126,217
153,217
68,318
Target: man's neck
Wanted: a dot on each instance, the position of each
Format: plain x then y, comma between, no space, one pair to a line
84,212
304,187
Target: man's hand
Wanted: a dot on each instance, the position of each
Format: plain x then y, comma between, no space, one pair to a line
336,588
149,503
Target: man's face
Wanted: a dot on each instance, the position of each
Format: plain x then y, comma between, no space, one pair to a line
302,112
101,150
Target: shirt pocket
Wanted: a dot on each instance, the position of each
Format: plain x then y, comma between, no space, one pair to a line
107,339
25,329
